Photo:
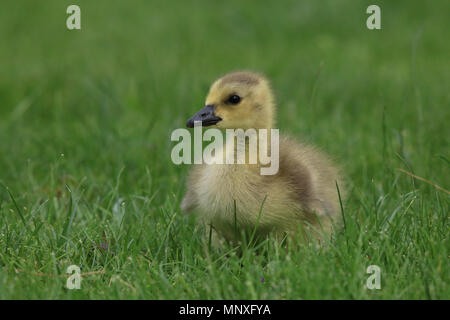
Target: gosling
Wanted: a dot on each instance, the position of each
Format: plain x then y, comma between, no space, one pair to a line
235,199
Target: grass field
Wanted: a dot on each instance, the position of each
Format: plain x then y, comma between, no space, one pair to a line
85,123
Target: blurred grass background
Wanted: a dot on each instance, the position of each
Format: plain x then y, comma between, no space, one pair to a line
85,123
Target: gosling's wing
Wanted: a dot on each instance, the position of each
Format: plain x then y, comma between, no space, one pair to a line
311,177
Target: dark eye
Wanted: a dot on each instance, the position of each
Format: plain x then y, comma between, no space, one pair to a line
234,99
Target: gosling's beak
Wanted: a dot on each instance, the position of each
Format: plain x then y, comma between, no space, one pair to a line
205,115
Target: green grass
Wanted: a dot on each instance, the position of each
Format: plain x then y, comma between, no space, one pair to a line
85,123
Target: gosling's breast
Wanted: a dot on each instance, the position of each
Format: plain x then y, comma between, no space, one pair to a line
221,187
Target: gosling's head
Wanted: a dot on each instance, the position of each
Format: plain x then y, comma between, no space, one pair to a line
237,100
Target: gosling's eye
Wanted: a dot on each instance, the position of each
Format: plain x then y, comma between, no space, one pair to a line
234,99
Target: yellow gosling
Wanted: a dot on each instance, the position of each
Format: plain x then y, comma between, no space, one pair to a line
235,198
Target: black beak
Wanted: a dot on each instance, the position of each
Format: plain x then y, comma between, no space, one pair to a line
206,116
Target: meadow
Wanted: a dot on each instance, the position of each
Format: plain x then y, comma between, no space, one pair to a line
85,121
